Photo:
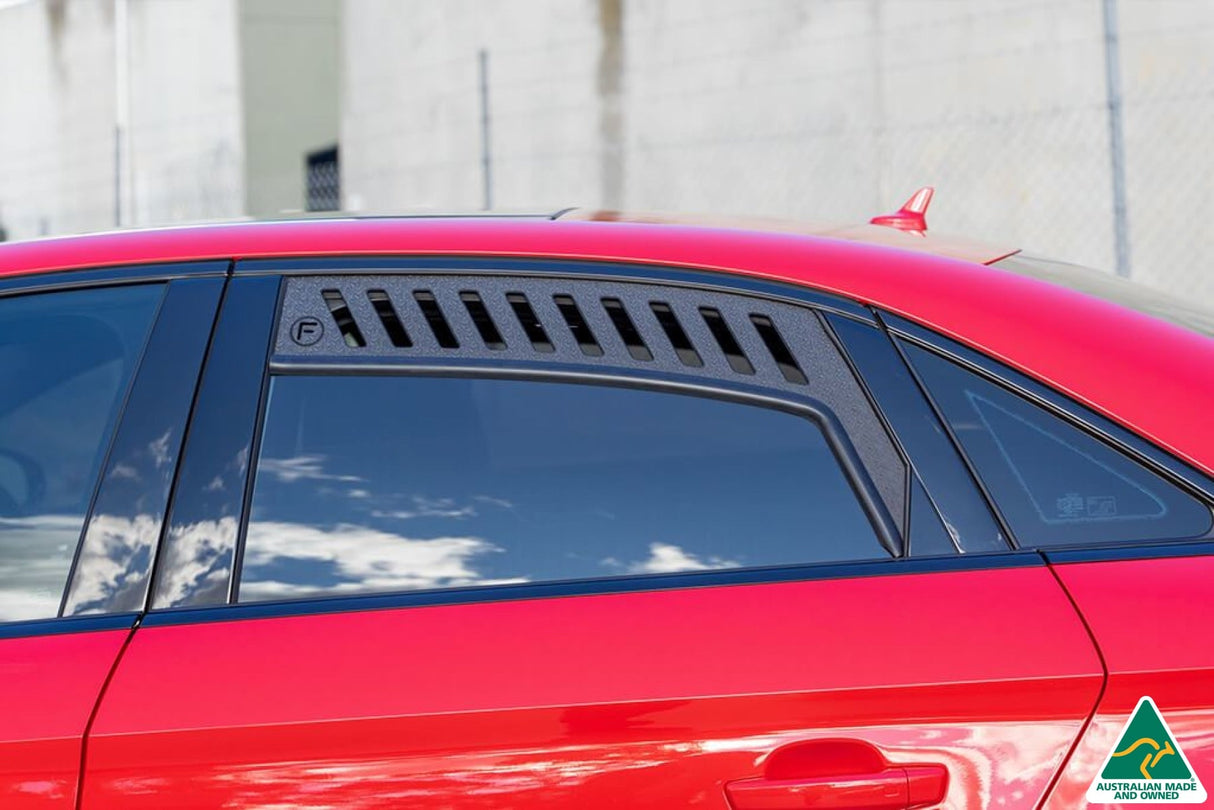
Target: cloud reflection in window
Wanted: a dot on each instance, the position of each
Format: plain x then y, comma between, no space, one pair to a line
33,568
284,560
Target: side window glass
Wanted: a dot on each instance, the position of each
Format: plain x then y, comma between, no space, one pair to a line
407,482
66,360
1054,483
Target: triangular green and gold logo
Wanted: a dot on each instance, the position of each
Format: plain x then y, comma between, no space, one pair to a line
1146,764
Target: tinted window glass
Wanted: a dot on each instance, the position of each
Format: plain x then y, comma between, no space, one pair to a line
1054,483
66,359
385,483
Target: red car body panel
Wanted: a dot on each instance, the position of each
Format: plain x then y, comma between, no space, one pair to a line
661,698
1084,347
1153,621
51,685
651,699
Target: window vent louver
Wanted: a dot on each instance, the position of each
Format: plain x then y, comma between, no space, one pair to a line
531,325
779,349
391,321
433,314
626,329
738,360
483,320
686,352
577,325
346,324
702,332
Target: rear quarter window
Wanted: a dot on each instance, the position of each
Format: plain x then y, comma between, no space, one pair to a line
1054,483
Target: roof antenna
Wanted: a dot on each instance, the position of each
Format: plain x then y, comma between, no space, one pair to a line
912,216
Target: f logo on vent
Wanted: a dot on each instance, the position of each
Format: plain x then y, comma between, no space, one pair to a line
307,331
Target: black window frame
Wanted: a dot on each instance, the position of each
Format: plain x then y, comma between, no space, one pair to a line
254,388
159,394
940,471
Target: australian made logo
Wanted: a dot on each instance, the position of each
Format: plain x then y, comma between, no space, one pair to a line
1146,764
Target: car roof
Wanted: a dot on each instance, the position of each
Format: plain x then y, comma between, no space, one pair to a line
955,247
1153,377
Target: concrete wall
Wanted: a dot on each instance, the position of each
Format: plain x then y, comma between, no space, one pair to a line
290,75
820,109
410,130
186,124
57,130
56,124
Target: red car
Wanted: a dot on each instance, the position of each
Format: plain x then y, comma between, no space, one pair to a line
595,511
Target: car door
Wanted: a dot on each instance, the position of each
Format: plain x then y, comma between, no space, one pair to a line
1128,532
94,367
493,534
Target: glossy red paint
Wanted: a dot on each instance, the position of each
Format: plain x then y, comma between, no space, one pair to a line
51,684
533,703
1151,619
1082,346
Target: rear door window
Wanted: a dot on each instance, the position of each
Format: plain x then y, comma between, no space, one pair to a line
1054,483
66,361
374,483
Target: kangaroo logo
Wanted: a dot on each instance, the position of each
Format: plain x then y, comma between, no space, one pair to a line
1146,764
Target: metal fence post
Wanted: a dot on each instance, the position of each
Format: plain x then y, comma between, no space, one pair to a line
486,158
1112,71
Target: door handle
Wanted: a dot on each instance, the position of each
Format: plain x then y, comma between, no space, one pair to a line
838,774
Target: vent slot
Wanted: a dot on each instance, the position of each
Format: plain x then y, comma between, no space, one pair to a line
725,339
577,325
344,320
483,320
388,317
532,328
686,352
434,316
779,349
628,332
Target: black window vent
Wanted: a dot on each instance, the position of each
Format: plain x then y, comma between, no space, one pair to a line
778,348
345,322
389,319
567,320
628,332
434,316
577,325
483,320
686,352
531,325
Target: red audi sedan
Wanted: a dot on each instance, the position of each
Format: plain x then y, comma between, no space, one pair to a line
597,511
